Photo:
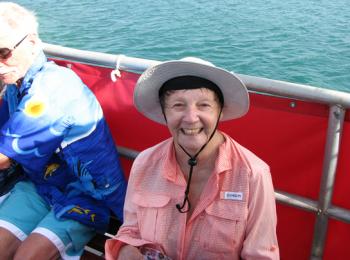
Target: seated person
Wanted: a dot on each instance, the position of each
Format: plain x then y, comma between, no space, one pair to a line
52,125
198,194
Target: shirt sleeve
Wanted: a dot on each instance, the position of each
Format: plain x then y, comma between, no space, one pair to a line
129,232
261,239
4,113
36,128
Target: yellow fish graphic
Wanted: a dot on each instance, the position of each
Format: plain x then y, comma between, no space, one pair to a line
79,210
50,170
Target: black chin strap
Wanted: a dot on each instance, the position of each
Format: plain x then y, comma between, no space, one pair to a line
193,162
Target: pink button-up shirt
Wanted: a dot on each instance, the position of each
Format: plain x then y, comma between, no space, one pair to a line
234,218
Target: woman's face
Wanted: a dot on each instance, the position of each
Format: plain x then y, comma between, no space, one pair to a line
191,117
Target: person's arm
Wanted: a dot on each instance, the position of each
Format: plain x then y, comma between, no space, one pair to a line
128,252
261,239
128,239
5,162
4,111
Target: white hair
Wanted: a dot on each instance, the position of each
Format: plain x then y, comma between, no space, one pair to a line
18,18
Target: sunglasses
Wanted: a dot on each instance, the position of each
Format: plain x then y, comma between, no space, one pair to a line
6,53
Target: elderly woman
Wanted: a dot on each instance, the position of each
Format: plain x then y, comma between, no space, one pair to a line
199,194
51,125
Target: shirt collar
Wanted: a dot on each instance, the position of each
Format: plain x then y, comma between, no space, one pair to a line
37,65
169,167
223,161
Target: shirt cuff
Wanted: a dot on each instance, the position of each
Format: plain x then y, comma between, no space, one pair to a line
112,248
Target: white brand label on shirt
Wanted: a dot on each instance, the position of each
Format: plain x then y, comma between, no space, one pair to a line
231,195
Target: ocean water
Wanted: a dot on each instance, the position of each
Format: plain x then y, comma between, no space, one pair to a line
301,41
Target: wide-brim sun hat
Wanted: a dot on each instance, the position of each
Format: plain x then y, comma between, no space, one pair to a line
146,93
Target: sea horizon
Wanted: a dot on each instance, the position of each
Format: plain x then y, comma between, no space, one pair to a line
306,42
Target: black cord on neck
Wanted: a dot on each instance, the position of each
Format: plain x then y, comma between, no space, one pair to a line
193,162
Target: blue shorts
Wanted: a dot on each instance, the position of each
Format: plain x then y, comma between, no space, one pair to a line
23,212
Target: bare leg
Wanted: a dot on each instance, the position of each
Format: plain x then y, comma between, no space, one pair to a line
37,246
8,244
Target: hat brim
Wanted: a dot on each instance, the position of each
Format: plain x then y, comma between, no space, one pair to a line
146,99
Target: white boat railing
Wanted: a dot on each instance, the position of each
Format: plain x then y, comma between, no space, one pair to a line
270,86
338,102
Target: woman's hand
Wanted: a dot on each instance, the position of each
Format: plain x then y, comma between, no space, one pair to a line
128,252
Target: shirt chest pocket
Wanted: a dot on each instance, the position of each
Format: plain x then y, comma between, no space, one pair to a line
222,226
153,215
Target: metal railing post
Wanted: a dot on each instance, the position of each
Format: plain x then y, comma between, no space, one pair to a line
335,127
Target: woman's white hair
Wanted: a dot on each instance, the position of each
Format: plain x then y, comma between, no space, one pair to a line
18,18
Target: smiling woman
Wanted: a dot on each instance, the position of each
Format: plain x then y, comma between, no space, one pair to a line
198,194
